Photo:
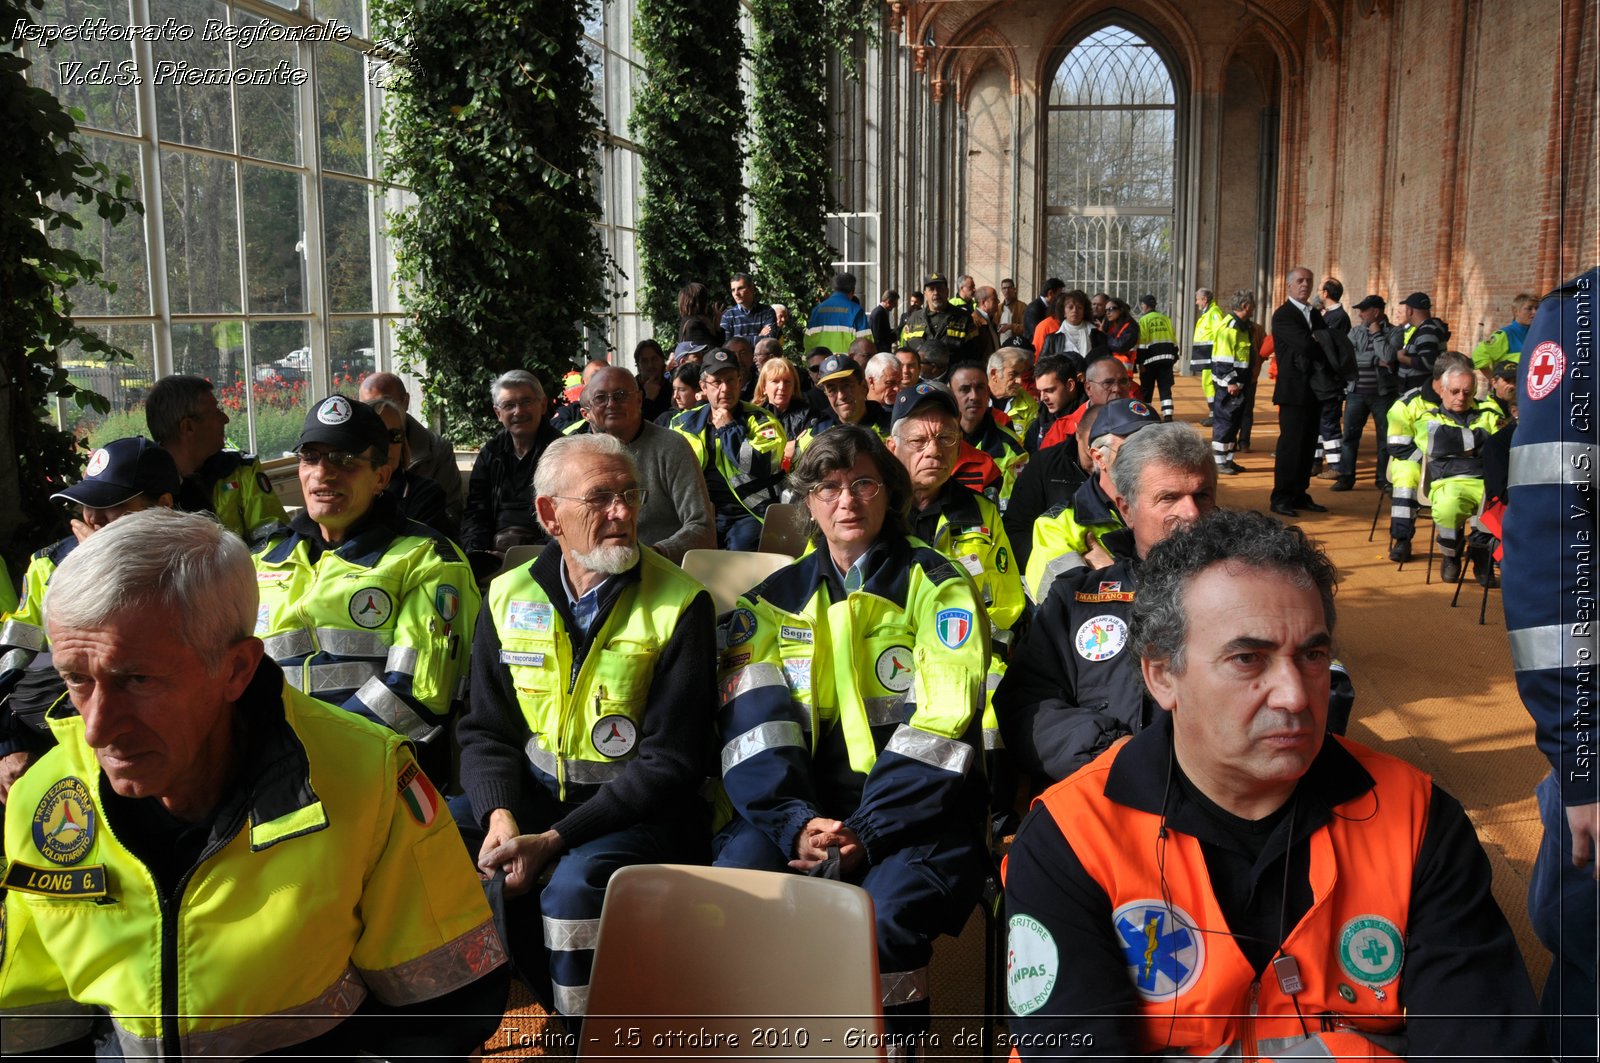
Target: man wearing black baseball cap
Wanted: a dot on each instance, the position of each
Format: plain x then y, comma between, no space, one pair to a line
361,607
965,527
845,386
1377,345
1425,337
122,477
739,449
940,322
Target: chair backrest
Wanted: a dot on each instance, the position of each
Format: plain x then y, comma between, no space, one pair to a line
517,556
783,529
695,956
729,573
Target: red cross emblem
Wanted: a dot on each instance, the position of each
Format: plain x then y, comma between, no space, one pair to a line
1546,366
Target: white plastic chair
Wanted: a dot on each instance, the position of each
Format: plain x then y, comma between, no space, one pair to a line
729,573
689,958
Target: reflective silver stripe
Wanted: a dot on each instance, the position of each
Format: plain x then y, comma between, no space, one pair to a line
945,754
582,772
295,678
883,711
40,1026
1407,494
1402,512
264,1033
1399,441
443,970
992,739
346,643
571,999
16,633
571,935
1538,649
752,677
903,987
775,734
389,707
287,644
992,681
16,659
1297,1047
1562,462
1058,566
347,675
402,659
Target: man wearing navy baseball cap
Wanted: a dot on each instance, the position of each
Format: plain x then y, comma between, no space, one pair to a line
361,607
845,385
1067,538
122,477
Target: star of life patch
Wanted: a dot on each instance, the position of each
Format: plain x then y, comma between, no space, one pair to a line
1162,946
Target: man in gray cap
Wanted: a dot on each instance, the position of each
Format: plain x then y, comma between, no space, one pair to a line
360,606
1377,345
122,477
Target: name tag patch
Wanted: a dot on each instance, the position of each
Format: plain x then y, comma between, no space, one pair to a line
86,881
532,660
972,564
795,634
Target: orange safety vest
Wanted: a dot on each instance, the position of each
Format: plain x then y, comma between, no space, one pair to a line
1198,992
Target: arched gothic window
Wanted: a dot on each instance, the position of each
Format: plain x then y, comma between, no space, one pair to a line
1109,173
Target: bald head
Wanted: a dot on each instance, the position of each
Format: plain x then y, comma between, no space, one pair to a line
385,386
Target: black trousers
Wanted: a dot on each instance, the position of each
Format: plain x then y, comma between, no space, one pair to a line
1297,442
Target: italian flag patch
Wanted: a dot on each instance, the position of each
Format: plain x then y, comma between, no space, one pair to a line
420,798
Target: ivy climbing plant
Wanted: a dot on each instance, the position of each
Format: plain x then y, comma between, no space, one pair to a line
688,116
43,173
492,127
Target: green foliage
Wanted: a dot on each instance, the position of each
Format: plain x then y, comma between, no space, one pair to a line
688,115
42,171
493,128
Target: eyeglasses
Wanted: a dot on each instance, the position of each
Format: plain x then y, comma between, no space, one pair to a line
338,460
947,441
861,490
1115,384
814,368
600,501
611,398
519,404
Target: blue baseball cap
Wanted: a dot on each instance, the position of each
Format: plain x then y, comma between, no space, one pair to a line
122,469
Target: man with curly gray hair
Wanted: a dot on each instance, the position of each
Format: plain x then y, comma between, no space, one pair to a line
1231,876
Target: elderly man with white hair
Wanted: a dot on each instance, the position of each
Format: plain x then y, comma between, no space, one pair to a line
883,378
499,513
223,864
589,729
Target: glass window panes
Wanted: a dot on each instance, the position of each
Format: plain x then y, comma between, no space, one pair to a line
280,390
123,382
94,76
199,195
342,108
347,249
274,240
1111,129
269,114
350,14
120,249
352,355
197,114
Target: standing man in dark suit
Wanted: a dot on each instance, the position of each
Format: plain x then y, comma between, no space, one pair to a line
1298,408
881,321
1039,309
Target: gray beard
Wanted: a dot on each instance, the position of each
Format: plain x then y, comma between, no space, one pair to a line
612,560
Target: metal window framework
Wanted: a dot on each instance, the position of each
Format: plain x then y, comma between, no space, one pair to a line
310,170
1103,217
